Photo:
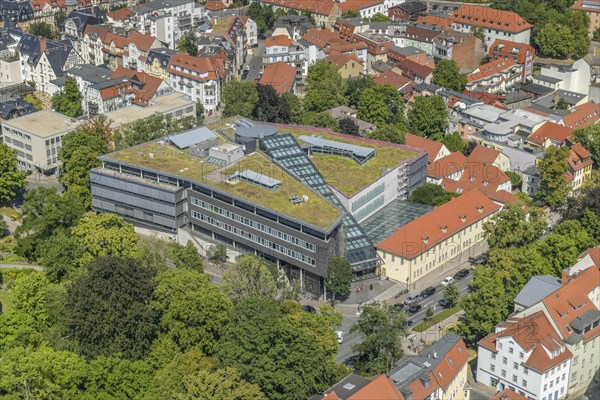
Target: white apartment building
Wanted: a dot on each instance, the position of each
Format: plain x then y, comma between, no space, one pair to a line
573,78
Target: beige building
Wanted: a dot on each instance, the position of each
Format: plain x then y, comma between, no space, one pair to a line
421,247
491,157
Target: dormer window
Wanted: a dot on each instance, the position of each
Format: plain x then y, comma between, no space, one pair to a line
463,218
480,209
425,239
444,228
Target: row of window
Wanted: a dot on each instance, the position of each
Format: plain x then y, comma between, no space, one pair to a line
364,199
253,224
17,143
374,205
254,238
9,131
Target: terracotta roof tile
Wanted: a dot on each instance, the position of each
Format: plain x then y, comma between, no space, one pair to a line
431,146
489,18
484,154
280,76
505,48
341,59
508,394
213,67
582,116
392,78
434,20
410,67
579,157
421,392
504,197
142,41
381,388
279,40
552,131
123,13
490,69
439,224
447,166
454,361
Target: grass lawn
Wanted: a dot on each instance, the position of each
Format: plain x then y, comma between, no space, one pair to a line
423,326
347,175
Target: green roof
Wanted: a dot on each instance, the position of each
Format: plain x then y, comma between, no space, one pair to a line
315,211
347,175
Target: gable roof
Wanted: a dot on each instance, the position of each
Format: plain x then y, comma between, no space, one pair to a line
432,147
434,20
582,116
122,13
392,78
491,68
536,289
341,59
484,154
426,231
142,41
489,18
506,48
211,66
280,76
447,166
410,67
549,130
279,40
579,157
508,394
147,85
381,387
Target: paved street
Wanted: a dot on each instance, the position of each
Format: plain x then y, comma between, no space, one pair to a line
255,61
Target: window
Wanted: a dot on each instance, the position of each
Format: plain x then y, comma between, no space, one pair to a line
503,373
499,345
493,356
504,360
545,388
524,383
525,370
516,365
492,367
521,355
510,350
514,379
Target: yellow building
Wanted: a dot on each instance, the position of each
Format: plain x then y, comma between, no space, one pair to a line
580,166
157,62
418,249
348,65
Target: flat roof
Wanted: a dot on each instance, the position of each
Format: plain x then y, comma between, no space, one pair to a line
343,173
193,136
160,156
384,222
44,124
162,104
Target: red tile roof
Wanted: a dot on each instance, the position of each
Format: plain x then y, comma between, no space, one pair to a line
410,68
280,76
447,166
434,20
123,13
504,197
505,48
150,84
431,146
215,5
490,69
212,66
490,18
477,175
392,78
279,40
533,333
142,41
341,59
381,388
582,116
454,361
552,131
419,391
508,394
579,157
492,99
426,231
484,154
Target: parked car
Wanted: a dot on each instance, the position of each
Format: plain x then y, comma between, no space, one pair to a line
415,308
340,336
411,299
463,273
430,291
445,303
448,280
398,306
310,309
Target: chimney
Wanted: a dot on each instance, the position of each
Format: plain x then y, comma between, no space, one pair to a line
565,276
435,355
556,99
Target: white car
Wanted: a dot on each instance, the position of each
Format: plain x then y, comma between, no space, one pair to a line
448,281
340,336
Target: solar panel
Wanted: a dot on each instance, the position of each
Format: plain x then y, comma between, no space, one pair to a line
259,179
191,137
360,153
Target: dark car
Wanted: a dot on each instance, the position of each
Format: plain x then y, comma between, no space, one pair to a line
398,306
310,309
461,274
415,308
445,303
430,291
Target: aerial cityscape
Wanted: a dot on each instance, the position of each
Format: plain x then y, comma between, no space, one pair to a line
299,199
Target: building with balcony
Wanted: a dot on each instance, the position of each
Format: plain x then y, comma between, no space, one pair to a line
497,76
464,48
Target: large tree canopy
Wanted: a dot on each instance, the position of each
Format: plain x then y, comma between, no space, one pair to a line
381,105
68,101
428,116
239,98
553,188
11,179
326,87
447,74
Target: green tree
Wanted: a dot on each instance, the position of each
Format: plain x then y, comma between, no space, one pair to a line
589,137
68,101
293,103
514,227
553,188
428,116
193,311
348,126
60,255
584,207
42,29
105,234
515,179
447,74
37,103
29,296
431,194
221,384
455,142
187,43
379,17
381,105
186,257
284,360
59,20
250,276
239,98
355,86
563,246
320,120
41,373
555,40
116,378
326,87
44,213
270,107
428,313
596,35
217,255
339,278
351,14
451,293
108,309
11,179
381,328
3,227
389,133
478,32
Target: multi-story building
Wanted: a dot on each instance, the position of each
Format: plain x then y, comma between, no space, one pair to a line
496,24
407,11
295,25
511,126
230,31
582,116
521,53
137,48
15,12
157,62
524,163
281,48
10,67
280,76
414,71
199,78
251,32
573,78
396,54
348,65
465,49
87,75
592,9
419,250
419,36
490,156
435,150
77,21
580,166
476,117
498,76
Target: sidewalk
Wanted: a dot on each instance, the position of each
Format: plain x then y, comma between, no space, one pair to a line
430,335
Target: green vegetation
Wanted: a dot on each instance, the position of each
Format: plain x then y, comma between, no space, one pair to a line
11,179
589,137
326,87
68,102
428,116
339,278
447,74
153,127
515,179
431,194
553,188
263,15
351,14
442,315
382,105
42,29
455,142
37,103
187,43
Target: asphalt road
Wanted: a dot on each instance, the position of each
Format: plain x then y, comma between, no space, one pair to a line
345,352
256,61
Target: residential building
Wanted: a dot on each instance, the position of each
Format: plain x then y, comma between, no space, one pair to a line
137,48
526,355
451,166
14,12
157,62
230,32
396,54
280,76
523,161
86,75
496,24
592,9
342,112
419,36
580,166
10,67
550,133
435,150
251,32
18,107
354,387
78,20
318,43
486,178
295,25
508,394
510,127
281,48
535,290
392,77
415,72
420,248
490,156
582,116
573,78
199,78
348,65
498,76
377,47
464,48
407,11
434,20
476,117
521,53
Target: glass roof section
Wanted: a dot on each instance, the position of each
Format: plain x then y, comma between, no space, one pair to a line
384,222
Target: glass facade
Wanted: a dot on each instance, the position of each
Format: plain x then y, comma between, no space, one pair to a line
384,222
